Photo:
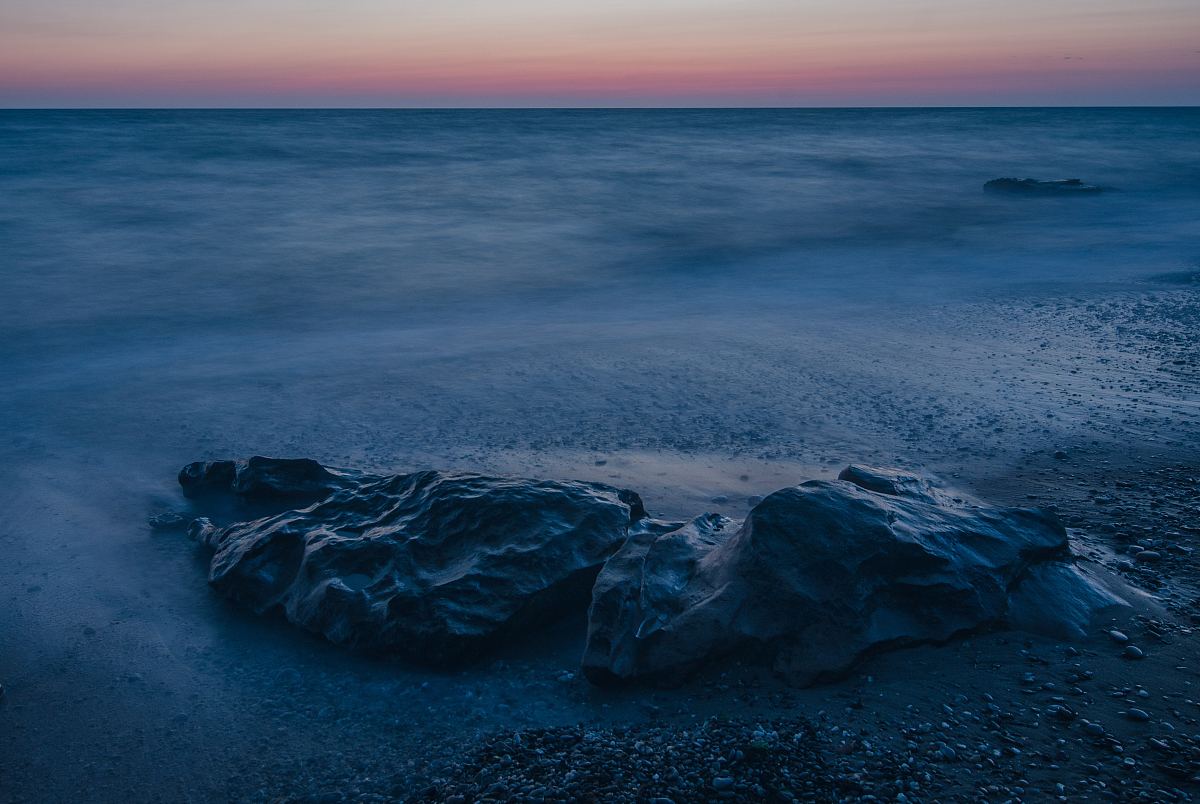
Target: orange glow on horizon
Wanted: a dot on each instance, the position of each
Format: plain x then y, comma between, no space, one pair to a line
719,58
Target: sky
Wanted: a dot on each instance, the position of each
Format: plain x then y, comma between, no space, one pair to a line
327,53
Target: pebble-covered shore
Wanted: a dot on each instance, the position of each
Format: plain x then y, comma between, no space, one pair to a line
1009,719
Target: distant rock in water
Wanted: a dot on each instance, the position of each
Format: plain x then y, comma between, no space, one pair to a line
827,571
1041,187
437,567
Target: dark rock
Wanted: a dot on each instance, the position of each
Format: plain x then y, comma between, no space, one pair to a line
293,479
202,530
1041,187
431,565
1061,599
617,617
168,520
821,573
199,477
1061,712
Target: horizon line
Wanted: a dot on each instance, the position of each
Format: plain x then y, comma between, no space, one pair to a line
630,108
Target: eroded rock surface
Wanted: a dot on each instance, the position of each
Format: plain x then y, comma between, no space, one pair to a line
441,566
431,565
259,478
824,572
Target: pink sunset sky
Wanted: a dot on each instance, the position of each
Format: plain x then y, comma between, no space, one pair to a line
615,53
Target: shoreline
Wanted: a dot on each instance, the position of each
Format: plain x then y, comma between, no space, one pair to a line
156,685
528,689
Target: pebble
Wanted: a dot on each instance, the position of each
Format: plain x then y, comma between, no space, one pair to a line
170,520
1133,652
1140,715
710,760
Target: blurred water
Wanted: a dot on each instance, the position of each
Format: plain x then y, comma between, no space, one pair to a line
690,303
119,226
229,255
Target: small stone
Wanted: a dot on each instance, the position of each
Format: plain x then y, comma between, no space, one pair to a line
1139,715
1061,713
1147,556
1133,652
1118,636
722,783
170,520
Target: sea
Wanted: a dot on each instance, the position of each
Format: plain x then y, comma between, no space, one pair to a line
381,284
701,305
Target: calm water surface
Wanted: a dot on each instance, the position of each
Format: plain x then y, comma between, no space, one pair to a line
693,303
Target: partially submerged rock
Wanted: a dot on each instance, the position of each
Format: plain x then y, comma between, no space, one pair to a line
1041,186
822,573
430,565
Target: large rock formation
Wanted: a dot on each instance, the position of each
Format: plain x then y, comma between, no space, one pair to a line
431,565
440,566
822,573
